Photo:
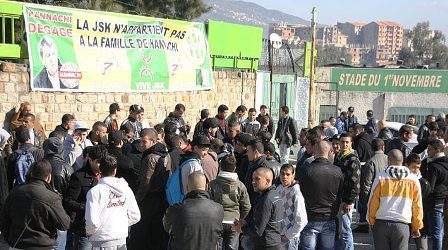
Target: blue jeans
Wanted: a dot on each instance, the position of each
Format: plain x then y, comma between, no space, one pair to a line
318,235
61,240
436,226
285,150
81,243
346,240
292,244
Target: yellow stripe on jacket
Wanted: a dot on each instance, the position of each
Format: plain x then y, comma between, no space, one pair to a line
396,199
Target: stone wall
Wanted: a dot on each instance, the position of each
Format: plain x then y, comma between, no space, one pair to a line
49,107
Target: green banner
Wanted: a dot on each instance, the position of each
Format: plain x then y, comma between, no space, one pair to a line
390,80
234,45
89,51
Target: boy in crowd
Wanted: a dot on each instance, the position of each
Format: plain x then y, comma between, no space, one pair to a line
295,217
231,193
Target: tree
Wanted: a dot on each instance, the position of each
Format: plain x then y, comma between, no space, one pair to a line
426,47
332,54
174,9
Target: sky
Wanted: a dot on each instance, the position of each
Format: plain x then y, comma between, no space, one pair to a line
404,12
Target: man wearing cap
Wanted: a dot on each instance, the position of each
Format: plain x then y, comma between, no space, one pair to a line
191,161
75,144
136,114
371,126
351,118
111,119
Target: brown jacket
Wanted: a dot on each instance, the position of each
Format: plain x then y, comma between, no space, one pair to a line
210,165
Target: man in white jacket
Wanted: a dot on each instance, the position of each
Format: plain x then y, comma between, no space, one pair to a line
110,209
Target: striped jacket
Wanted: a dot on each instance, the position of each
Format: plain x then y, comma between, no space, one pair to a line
396,196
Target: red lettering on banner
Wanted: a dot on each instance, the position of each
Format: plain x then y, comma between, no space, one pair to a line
49,30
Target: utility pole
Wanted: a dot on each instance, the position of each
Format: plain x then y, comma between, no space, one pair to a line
311,99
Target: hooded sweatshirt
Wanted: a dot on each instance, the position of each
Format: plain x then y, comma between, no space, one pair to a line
60,170
396,196
110,209
231,193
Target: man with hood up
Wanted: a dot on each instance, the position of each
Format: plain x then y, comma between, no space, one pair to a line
110,209
60,170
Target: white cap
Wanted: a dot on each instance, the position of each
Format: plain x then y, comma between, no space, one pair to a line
81,125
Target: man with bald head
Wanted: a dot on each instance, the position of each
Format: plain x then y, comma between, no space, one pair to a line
197,222
321,184
263,225
395,202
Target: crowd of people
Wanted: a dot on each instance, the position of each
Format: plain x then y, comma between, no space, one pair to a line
228,186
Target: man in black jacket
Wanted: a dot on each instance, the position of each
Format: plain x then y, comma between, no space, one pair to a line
406,133
263,224
321,185
67,124
437,177
423,131
264,112
176,118
33,212
350,166
60,170
197,222
75,198
125,165
385,134
362,142
257,159
286,134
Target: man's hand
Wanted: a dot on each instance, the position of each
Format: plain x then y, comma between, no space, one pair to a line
76,140
416,234
347,208
295,145
238,224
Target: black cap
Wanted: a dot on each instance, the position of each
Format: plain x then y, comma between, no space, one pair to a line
115,137
114,107
211,123
351,109
136,108
244,138
201,141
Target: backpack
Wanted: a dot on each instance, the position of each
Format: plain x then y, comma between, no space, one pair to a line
23,163
173,189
